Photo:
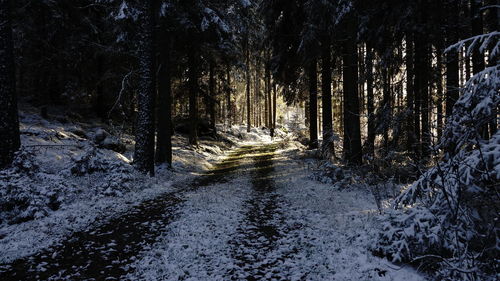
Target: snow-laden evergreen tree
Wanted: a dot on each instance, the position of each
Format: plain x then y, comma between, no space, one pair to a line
9,122
450,215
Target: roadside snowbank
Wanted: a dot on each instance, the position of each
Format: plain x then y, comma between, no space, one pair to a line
70,176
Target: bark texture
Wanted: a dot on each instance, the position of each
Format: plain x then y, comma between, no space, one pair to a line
9,121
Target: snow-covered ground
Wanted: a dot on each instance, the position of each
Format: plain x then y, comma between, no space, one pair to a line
67,178
315,232
265,217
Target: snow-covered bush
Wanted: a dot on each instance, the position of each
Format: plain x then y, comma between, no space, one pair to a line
26,192
449,217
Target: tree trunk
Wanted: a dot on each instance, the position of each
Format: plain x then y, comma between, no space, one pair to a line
491,17
326,99
145,131
352,133
249,80
439,89
212,98
370,141
386,105
423,50
275,98
418,95
478,64
164,129
9,121
193,96
229,106
269,109
313,105
267,75
452,60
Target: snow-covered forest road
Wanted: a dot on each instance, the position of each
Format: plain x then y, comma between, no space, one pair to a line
256,216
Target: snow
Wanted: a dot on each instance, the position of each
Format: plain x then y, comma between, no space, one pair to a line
324,234
296,229
64,182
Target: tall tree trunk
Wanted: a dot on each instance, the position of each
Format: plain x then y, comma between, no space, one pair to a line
145,131
370,141
352,131
478,64
418,95
275,98
193,96
229,106
249,80
439,89
452,60
313,104
386,105
269,108
326,99
492,23
492,17
257,94
9,121
423,50
267,78
164,129
212,98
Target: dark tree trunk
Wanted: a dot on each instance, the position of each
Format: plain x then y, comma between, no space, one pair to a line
145,132
352,133
249,80
313,105
420,65
193,96
269,109
275,98
491,18
229,106
423,69
326,99
212,98
164,129
267,78
452,61
439,89
370,141
9,121
478,64
386,104
424,95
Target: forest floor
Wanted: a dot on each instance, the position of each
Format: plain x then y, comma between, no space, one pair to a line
252,212
73,174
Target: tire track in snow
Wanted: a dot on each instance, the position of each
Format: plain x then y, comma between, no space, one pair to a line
256,248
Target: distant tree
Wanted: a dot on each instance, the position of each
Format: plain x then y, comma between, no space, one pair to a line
9,122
